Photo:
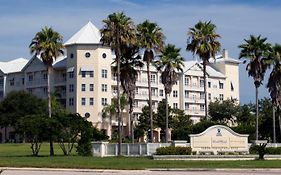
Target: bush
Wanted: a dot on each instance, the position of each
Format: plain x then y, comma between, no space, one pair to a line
273,150
259,149
171,150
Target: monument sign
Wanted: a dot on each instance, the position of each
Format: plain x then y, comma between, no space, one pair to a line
219,139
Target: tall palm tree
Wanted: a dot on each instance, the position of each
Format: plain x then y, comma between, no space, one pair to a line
256,49
204,43
274,84
48,45
170,62
151,39
128,77
118,30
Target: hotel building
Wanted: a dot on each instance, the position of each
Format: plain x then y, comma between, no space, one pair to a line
85,81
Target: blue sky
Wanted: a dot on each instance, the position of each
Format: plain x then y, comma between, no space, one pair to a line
235,20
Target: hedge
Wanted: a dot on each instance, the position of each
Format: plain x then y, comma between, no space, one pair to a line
270,150
172,150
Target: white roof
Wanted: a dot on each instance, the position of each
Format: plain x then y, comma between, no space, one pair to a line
89,34
210,71
12,66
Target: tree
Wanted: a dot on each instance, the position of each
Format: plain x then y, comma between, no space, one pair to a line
111,110
128,76
118,30
203,42
256,49
224,112
274,84
69,128
181,125
143,125
48,45
34,127
151,39
18,104
170,63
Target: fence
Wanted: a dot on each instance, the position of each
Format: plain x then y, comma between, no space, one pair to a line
103,149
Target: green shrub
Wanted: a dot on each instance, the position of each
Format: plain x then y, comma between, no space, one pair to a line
259,149
273,150
171,150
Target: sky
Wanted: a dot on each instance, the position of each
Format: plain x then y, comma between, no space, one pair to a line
235,21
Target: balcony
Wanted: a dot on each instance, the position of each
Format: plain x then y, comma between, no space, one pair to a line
194,87
145,96
194,100
195,112
36,83
59,81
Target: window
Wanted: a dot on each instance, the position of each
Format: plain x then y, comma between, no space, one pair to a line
45,90
45,76
202,95
202,107
186,80
104,55
231,86
71,87
186,94
91,87
71,74
104,101
209,84
87,54
12,82
161,92
71,55
83,87
91,102
136,103
91,73
83,101
201,83
30,77
186,106
104,87
115,89
220,85
175,93
153,78
153,92
71,101
104,73
221,97
22,80
209,96
83,73
136,90
175,105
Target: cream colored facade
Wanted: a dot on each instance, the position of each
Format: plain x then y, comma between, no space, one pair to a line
86,83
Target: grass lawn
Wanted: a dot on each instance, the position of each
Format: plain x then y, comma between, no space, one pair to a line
19,155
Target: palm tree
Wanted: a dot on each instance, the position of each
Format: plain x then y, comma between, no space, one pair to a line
128,77
48,45
151,39
203,42
256,49
170,62
118,30
274,84
111,110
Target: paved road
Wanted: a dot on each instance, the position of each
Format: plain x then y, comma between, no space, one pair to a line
144,172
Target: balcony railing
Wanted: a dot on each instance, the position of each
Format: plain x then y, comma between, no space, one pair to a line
36,82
